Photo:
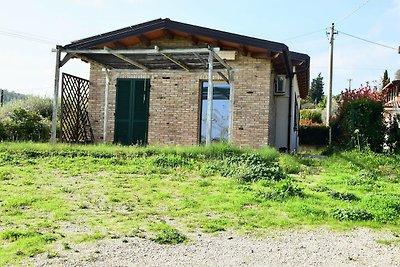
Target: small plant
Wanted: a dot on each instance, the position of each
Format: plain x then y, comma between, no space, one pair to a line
169,235
251,168
171,161
282,190
351,214
347,196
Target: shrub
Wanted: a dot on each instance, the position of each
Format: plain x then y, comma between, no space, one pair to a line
36,104
351,214
311,114
360,120
169,235
24,125
314,135
347,196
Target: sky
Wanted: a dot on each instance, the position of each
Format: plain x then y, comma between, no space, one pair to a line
30,29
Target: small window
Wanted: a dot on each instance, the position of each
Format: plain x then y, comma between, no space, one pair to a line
221,112
280,84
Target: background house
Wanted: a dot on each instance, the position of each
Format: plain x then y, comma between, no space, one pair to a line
149,84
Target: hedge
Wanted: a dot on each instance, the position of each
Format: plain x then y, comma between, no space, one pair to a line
317,135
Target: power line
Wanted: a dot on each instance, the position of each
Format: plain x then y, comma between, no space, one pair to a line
368,41
354,11
305,34
27,36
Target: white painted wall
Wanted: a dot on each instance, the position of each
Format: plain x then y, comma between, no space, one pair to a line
282,117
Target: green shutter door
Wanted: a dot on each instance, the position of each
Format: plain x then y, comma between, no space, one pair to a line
131,111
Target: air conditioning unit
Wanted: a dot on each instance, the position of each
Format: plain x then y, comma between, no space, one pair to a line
280,84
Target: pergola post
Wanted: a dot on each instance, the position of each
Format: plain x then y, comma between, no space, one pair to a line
231,97
55,100
209,98
106,90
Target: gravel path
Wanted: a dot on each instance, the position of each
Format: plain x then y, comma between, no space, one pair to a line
318,247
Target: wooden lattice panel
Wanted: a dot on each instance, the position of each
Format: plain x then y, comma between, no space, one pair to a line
75,124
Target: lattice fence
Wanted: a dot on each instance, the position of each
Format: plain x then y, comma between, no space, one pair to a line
75,124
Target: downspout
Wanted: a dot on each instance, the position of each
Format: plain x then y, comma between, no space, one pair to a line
289,115
289,70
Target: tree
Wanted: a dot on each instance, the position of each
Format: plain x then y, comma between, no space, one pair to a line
317,89
385,79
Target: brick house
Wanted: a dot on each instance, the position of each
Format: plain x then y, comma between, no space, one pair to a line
167,82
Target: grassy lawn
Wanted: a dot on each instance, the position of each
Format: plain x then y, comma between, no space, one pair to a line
60,195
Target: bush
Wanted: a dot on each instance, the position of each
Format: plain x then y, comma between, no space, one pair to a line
35,104
351,214
311,114
314,135
347,196
24,125
359,122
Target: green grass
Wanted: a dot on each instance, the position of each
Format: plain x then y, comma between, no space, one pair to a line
61,195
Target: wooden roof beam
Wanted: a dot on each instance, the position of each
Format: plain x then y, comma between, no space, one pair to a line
195,40
167,33
144,40
126,59
119,45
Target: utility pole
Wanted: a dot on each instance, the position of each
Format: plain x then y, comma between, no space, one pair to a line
349,83
329,102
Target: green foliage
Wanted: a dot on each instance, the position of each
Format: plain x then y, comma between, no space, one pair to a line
385,79
393,135
24,125
252,167
384,207
290,164
171,161
365,178
282,190
35,104
311,114
317,89
314,135
116,191
360,123
351,214
347,196
168,235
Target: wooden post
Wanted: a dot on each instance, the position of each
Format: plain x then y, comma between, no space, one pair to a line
231,95
106,90
55,100
209,98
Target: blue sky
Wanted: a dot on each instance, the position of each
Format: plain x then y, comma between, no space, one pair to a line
27,66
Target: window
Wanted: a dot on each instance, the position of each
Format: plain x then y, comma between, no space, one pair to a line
220,114
279,84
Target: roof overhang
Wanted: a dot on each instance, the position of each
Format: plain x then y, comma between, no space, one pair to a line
119,50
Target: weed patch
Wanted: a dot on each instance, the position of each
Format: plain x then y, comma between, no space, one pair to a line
351,214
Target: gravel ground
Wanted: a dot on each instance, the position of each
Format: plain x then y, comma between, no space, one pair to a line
318,247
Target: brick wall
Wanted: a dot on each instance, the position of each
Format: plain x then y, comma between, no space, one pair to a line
175,102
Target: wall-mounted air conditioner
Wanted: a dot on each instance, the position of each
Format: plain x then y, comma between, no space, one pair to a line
280,84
